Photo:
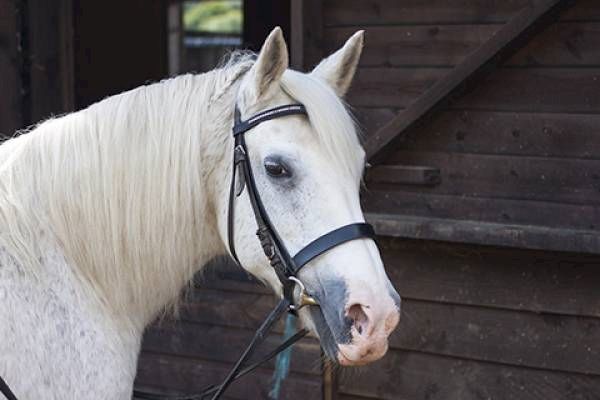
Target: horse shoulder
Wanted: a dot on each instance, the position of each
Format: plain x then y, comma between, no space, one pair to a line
55,342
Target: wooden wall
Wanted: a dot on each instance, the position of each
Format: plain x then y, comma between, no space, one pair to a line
520,149
217,320
482,322
35,62
519,161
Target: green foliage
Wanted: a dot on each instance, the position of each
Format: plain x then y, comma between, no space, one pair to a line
215,16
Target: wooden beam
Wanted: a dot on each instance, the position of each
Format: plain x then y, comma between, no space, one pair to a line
505,42
51,58
330,380
306,33
487,233
404,175
12,115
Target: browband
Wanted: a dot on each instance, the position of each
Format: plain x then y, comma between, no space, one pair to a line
272,113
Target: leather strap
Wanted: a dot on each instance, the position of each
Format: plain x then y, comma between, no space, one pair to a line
237,371
5,390
271,243
272,113
332,239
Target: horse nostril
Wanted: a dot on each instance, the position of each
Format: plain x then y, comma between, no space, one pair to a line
359,318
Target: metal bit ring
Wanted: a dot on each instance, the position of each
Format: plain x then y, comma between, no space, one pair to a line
305,299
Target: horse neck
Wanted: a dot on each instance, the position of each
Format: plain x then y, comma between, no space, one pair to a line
124,188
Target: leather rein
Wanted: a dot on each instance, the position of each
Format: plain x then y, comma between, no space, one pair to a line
286,267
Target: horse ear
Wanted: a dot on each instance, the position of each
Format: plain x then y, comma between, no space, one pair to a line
338,69
270,65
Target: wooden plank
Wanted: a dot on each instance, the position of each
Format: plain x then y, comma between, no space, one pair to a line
223,274
330,382
404,174
297,26
513,133
461,207
307,33
488,233
51,58
417,46
406,12
370,120
392,87
543,341
518,29
183,375
205,342
564,180
545,89
561,44
524,134
11,113
344,396
412,375
235,309
556,90
537,281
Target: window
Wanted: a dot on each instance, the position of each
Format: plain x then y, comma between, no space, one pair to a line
206,31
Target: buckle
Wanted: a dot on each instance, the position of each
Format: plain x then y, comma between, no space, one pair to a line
304,299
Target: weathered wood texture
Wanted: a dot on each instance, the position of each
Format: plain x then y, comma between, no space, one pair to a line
217,320
416,12
518,167
50,58
307,33
511,36
481,322
518,149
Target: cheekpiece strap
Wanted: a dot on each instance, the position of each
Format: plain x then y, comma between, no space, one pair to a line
276,112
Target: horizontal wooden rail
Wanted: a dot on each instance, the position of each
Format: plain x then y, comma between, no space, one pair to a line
488,233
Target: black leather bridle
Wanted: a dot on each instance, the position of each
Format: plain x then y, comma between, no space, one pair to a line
285,266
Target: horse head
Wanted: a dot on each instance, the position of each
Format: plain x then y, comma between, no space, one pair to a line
308,169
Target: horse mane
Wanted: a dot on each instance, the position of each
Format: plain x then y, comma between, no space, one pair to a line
119,189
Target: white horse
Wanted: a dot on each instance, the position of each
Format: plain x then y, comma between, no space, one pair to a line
107,213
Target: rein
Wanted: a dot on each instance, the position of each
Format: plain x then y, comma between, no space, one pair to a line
286,267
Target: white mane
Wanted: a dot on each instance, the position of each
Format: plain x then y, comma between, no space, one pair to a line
120,186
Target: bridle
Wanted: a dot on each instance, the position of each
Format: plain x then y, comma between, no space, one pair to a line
286,267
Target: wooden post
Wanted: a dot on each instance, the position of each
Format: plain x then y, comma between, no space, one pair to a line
11,104
306,33
50,35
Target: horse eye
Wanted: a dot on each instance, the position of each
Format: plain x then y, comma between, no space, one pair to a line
276,168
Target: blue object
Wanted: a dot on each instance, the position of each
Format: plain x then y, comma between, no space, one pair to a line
282,362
